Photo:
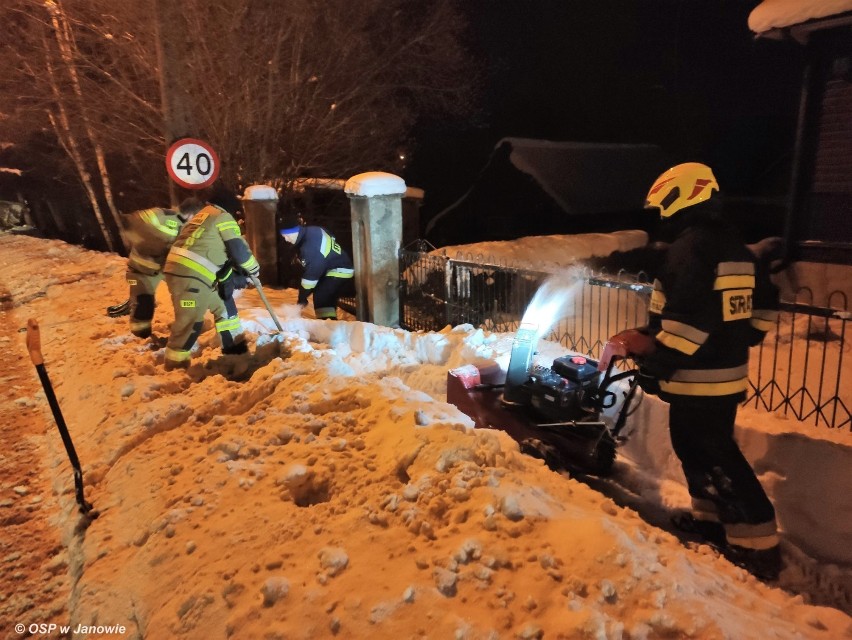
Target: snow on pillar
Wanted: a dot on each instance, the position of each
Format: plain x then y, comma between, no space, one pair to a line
375,199
259,206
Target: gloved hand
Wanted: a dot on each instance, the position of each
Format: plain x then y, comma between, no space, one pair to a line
637,342
648,383
225,288
767,249
755,336
655,368
240,281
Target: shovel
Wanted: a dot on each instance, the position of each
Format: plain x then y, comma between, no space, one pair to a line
34,347
257,285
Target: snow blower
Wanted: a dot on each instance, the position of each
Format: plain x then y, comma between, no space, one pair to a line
555,413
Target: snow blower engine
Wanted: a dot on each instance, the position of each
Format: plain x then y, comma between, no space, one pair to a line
554,413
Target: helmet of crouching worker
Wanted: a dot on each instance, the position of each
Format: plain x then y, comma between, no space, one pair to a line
682,186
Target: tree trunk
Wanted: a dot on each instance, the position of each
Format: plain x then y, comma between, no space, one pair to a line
67,48
178,120
65,135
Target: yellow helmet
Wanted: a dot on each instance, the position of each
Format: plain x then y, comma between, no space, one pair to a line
682,186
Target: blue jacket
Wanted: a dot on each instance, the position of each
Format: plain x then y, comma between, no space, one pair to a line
321,256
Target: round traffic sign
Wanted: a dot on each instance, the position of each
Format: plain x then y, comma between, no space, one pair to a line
192,163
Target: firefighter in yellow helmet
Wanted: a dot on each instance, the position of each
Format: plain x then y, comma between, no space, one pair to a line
200,264
712,301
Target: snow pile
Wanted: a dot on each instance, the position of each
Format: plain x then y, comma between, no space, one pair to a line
322,487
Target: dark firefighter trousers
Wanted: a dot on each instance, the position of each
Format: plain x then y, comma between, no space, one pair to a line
328,291
721,482
142,289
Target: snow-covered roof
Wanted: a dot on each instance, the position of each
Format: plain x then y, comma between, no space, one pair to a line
779,14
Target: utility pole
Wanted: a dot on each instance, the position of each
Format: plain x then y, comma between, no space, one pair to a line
178,121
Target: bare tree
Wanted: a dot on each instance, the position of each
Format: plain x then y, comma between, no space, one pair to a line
282,90
326,88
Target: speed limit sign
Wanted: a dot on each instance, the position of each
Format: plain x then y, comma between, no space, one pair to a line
192,163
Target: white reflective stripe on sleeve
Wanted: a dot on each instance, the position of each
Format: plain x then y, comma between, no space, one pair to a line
677,343
710,375
685,331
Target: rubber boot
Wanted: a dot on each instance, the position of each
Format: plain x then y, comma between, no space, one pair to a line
763,564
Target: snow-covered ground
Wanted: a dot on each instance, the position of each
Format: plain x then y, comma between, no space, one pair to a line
323,487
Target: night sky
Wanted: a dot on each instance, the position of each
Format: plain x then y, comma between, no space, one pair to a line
687,75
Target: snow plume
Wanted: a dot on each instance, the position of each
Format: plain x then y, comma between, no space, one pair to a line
553,301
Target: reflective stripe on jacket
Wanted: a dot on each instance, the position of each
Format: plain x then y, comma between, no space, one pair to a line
209,241
321,255
150,233
710,304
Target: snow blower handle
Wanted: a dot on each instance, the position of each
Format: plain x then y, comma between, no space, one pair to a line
613,350
628,343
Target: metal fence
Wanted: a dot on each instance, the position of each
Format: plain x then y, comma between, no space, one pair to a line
797,370
437,291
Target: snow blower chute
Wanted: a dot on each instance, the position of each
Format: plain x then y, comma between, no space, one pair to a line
555,413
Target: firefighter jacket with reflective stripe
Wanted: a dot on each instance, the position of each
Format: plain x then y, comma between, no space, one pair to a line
206,244
320,255
150,233
711,302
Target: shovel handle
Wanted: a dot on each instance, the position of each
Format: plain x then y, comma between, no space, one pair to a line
34,342
256,282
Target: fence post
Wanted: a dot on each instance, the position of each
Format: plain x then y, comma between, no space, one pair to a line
448,291
259,206
375,199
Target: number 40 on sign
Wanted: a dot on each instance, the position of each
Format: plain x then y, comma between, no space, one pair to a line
192,163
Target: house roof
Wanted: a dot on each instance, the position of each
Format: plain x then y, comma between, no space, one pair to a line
781,14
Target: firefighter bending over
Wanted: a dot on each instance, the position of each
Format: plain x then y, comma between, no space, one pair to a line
198,271
150,233
712,301
328,272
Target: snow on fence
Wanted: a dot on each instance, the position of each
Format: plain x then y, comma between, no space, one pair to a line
798,369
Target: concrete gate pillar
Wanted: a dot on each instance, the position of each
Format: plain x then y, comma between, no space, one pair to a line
375,200
260,202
